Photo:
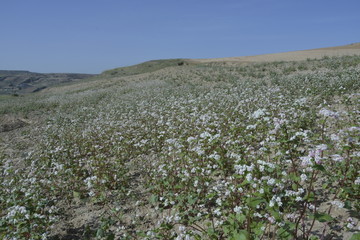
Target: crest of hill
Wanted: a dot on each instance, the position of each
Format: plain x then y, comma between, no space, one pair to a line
146,67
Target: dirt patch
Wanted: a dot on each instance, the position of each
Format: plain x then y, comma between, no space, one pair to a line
78,222
9,123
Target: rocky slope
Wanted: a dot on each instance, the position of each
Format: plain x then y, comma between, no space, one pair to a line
15,82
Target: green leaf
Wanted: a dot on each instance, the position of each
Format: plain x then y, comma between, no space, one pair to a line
191,200
310,197
294,177
319,167
253,202
240,217
226,230
100,233
153,199
178,186
290,225
76,195
256,226
284,234
242,235
347,205
275,214
210,231
349,190
355,236
322,217
231,220
314,238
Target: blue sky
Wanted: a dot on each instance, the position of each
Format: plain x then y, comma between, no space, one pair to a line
90,36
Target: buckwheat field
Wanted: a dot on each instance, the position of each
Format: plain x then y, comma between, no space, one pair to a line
195,151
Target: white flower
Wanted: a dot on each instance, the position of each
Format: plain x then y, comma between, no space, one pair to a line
350,225
177,218
357,181
250,127
311,206
182,228
205,135
321,147
306,161
237,209
217,212
257,215
249,177
259,113
303,177
338,203
218,223
337,158
334,137
271,182
271,219
187,237
356,154
250,168
196,183
352,129
327,113
215,156
301,101
240,169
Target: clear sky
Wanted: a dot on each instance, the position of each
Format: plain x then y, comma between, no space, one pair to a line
90,36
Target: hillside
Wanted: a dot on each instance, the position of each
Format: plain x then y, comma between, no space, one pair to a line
15,82
154,65
146,67
346,50
187,149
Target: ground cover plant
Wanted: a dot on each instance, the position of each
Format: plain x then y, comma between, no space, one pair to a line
206,151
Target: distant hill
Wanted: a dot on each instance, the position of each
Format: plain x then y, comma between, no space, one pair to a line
15,82
149,66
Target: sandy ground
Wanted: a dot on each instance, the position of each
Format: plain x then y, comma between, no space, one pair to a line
352,49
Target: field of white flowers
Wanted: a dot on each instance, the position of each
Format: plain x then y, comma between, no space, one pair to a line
210,151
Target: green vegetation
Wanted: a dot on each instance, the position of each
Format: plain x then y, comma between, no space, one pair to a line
206,151
146,67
